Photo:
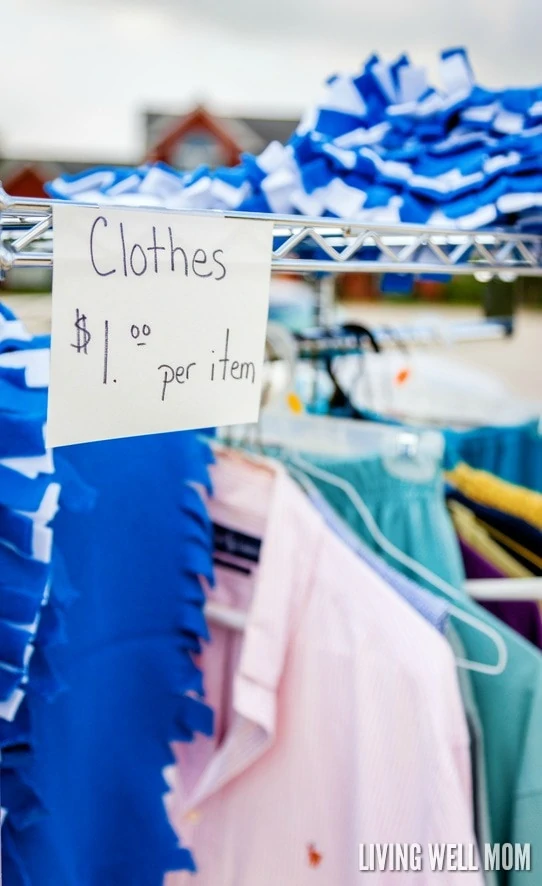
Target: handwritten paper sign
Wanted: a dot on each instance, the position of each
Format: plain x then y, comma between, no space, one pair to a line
158,322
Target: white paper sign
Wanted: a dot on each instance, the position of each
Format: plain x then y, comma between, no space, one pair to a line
158,322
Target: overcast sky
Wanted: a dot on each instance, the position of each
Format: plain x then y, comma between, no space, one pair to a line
76,74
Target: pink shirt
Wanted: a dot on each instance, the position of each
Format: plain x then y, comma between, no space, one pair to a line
338,714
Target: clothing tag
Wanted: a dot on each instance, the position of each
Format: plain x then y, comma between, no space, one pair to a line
237,544
158,322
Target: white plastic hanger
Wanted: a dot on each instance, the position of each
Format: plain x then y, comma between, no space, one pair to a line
413,565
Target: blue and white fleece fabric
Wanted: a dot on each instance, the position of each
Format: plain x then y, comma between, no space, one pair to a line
32,613
98,637
382,146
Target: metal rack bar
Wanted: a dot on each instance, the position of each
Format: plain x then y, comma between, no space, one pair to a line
335,342
318,245
504,588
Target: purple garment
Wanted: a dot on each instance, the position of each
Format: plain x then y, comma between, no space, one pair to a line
522,616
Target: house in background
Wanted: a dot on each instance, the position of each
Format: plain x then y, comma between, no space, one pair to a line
199,137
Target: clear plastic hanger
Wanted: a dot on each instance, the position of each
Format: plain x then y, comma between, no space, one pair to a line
406,453
413,565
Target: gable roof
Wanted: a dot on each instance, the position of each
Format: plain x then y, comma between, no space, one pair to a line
248,133
199,117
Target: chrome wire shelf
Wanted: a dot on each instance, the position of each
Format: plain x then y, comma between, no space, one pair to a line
313,245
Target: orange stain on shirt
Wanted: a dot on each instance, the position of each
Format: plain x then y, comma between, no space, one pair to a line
402,376
314,857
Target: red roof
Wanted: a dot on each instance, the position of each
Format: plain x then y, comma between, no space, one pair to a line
198,119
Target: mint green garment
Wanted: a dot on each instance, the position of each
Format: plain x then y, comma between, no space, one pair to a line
510,710
412,515
510,704
482,823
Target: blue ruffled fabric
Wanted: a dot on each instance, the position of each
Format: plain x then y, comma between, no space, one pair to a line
31,616
116,619
135,558
382,146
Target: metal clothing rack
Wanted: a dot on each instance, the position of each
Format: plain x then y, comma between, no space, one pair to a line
315,246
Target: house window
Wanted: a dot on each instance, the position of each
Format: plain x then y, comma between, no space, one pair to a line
196,148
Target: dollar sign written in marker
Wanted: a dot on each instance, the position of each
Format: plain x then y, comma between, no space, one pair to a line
83,335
